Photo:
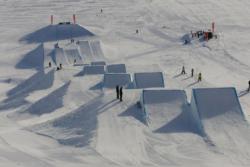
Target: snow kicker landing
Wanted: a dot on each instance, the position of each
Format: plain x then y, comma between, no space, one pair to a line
56,32
167,111
116,68
91,50
148,80
92,70
220,117
112,80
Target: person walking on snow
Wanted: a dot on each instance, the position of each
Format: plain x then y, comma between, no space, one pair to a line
117,92
121,93
192,72
248,86
183,70
199,77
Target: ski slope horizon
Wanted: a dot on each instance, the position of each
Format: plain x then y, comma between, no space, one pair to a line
71,117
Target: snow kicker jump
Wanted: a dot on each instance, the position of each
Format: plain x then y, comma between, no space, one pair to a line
167,111
220,117
92,70
91,50
112,80
56,32
116,68
149,80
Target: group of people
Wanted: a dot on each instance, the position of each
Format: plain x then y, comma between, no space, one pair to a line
119,92
183,72
58,68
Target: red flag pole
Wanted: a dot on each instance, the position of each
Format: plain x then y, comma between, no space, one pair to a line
51,19
213,26
74,18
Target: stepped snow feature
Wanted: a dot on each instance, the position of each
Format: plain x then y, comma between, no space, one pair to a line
92,70
57,32
116,68
112,80
149,80
220,116
167,111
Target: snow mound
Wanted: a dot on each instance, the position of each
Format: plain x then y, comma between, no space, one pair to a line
98,63
73,56
116,68
56,32
91,70
221,118
148,80
167,111
112,80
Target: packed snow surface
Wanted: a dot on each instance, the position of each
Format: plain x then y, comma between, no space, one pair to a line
63,118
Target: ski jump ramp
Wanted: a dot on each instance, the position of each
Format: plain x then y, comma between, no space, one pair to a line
116,68
112,80
93,70
91,50
73,55
167,111
149,80
59,57
98,63
219,115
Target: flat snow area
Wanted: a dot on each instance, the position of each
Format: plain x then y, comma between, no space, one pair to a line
63,118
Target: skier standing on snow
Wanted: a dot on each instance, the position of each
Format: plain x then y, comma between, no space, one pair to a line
183,70
192,72
121,93
117,92
49,64
248,86
199,77
60,66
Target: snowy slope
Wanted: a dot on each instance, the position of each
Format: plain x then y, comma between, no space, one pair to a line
62,118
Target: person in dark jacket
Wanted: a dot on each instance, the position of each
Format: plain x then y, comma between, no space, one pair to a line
199,77
117,92
192,72
183,71
248,86
121,93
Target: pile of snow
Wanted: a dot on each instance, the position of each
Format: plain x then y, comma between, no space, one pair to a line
116,68
112,80
167,111
57,32
98,63
92,70
149,80
221,118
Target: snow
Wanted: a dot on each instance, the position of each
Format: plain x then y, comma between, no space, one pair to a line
148,80
93,69
113,80
58,118
116,68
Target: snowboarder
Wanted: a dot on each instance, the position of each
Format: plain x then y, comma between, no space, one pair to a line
199,77
121,93
192,72
49,64
117,92
248,86
183,70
